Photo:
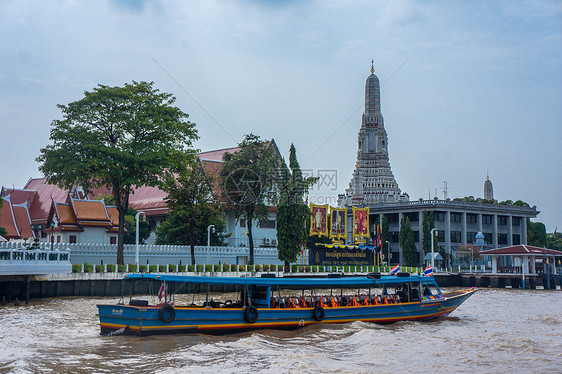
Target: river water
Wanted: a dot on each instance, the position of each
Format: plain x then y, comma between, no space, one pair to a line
494,331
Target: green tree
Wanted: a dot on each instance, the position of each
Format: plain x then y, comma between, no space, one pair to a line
536,234
119,137
292,211
248,179
193,207
428,223
130,236
407,242
554,241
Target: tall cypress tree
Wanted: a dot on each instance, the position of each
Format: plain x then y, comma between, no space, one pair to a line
408,244
292,211
428,224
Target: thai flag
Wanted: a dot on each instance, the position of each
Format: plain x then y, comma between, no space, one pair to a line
395,270
428,272
162,292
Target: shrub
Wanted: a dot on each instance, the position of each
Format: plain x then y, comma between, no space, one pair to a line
76,268
280,267
216,267
162,268
265,267
199,268
225,267
132,268
172,268
190,268
182,268
110,268
294,268
233,267
208,268
314,269
241,268
123,268
88,268
142,268
346,269
152,268
257,267
99,268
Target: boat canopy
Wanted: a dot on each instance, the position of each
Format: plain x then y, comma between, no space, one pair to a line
284,282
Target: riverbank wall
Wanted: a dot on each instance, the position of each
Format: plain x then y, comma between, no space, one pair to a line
112,284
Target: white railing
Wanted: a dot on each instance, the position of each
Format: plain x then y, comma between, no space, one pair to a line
33,261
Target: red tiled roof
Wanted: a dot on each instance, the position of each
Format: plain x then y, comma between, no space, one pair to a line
90,212
517,250
20,196
7,219
23,221
46,193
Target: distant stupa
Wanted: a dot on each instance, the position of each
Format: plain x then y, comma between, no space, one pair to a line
488,189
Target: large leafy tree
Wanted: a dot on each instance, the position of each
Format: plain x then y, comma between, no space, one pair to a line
292,210
407,242
536,234
120,138
248,179
193,207
130,236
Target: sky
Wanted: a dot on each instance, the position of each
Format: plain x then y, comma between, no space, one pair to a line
468,89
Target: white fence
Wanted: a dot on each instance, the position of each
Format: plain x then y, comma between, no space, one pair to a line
33,262
94,253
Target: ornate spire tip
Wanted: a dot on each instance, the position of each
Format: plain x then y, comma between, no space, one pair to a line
372,67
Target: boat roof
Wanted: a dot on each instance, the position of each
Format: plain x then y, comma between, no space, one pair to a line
286,282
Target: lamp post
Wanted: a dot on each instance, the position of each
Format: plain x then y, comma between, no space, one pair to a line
52,224
137,216
209,228
388,251
432,233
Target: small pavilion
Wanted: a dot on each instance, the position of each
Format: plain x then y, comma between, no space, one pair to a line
524,259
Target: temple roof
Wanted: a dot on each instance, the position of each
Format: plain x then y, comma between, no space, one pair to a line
518,250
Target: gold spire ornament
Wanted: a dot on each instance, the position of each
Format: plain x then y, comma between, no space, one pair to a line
372,67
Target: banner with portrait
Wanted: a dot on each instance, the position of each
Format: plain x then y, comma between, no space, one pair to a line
361,223
337,223
319,220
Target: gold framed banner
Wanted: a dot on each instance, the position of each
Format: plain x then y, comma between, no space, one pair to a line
337,223
319,220
360,223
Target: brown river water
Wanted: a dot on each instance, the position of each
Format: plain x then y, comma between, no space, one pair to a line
494,331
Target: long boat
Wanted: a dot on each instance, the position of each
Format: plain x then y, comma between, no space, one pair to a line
278,303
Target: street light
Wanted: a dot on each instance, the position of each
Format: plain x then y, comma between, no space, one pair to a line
209,228
432,233
388,252
137,238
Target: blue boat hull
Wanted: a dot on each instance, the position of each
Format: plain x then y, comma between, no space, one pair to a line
147,320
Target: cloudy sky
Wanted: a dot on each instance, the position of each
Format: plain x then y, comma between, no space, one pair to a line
467,88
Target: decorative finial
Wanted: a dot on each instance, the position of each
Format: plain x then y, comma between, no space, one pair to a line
487,176
372,67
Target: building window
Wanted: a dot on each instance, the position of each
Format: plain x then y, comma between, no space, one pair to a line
72,239
416,236
488,237
516,221
439,216
392,217
267,224
502,220
456,237
502,239
393,236
242,222
440,235
456,217
414,217
58,238
487,219
516,239
471,218
152,225
112,240
471,237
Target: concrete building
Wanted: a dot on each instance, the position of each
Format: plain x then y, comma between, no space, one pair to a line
457,222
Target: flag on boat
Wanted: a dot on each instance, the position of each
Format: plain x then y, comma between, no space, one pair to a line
161,292
395,270
428,272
